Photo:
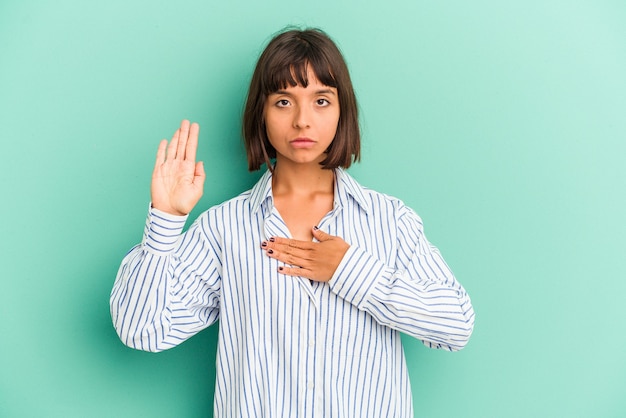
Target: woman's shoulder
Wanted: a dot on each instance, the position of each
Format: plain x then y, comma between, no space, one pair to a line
235,206
372,200
245,203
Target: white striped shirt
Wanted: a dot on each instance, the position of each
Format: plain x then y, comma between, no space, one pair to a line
289,347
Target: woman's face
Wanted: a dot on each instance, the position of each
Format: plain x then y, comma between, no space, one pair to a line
301,122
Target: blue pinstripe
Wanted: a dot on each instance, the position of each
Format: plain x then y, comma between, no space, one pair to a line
289,347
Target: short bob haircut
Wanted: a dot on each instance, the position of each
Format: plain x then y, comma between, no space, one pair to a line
284,62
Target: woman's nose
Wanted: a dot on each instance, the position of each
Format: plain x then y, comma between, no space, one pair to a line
301,118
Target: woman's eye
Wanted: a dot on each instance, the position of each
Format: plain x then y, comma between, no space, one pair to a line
282,103
322,102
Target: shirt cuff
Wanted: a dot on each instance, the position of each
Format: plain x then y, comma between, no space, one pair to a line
356,276
162,231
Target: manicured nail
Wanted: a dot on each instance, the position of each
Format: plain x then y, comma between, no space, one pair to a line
264,244
272,239
270,251
280,269
315,227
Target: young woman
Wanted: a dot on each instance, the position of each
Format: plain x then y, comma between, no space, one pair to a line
312,276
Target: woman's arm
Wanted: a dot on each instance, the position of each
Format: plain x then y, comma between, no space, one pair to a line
418,295
167,288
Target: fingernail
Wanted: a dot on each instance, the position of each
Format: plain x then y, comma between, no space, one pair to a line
264,244
272,239
280,269
270,251
315,227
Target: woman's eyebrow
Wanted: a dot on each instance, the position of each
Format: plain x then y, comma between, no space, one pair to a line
321,91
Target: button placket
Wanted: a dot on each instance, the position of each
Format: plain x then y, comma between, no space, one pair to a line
314,378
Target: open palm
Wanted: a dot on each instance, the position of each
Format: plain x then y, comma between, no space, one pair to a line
177,180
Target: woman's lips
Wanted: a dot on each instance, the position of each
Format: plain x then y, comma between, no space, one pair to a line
302,143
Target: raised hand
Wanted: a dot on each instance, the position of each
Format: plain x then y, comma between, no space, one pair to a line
177,180
313,260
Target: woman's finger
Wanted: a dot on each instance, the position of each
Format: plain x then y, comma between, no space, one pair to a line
294,243
160,156
182,140
171,149
192,142
295,271
285,248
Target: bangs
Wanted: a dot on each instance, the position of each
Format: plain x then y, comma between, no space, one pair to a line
292,73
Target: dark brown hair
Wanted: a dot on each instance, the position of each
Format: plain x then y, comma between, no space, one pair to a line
284,62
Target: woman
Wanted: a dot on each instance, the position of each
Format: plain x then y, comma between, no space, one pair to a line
312,276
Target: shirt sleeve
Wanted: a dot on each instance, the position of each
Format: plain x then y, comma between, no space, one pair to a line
168,287
419,295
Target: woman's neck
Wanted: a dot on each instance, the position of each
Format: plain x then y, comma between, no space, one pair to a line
303,195
301,179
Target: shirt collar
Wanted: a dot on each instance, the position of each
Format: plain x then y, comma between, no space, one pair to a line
261,191
345,188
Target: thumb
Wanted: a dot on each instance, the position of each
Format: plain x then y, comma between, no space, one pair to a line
321,235
199,174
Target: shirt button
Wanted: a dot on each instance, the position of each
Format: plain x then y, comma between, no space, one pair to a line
311,385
